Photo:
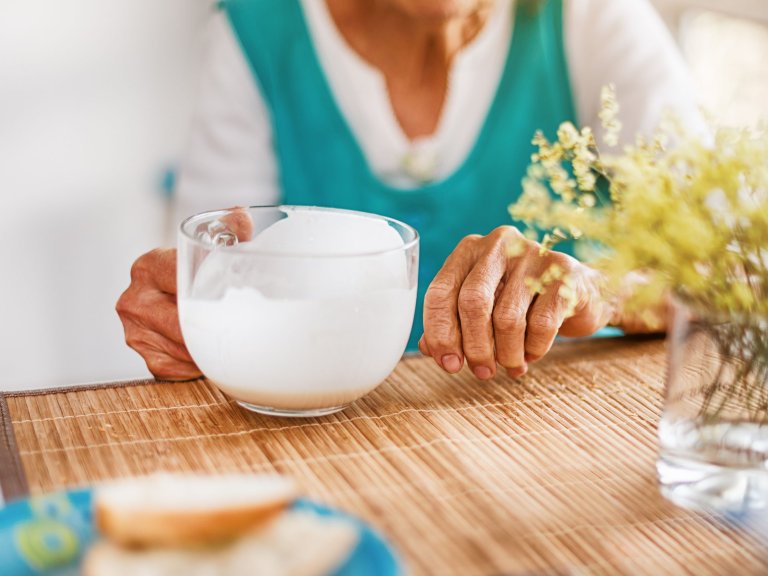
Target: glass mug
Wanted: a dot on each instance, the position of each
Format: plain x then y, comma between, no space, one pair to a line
296,311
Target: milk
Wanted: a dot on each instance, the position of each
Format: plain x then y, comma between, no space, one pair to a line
310,254
298,354
313,313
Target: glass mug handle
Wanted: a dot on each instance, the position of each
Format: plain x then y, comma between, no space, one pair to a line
217,234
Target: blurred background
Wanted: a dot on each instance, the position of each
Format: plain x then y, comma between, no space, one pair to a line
95,101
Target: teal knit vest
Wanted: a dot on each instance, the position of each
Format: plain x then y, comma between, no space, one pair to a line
321,163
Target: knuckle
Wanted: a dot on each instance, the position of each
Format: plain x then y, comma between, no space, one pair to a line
475,299
439,334
503,233
542,324
125,305
504,230
505,323
159,365
499,239
146,265
141,267
509,319
139,339
133,340
439,293
563,260
122,306
158,370
469,241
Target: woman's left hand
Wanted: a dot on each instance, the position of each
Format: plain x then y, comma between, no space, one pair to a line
480,307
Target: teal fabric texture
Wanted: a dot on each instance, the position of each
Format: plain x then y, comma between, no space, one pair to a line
321,163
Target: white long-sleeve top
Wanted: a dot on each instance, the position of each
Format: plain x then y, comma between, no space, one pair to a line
230,158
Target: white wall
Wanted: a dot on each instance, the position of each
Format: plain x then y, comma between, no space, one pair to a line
726,45
94,101
672,10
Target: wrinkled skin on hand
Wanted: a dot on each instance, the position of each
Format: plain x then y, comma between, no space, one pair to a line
479,308
149,312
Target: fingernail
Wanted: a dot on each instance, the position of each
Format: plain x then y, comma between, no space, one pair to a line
483,372
451,362
531,358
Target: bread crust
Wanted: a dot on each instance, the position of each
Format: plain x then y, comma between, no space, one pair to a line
139,528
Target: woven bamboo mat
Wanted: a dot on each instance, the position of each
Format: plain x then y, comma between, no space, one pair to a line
551,474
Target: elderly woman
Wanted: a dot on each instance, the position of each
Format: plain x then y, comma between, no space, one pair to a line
422,110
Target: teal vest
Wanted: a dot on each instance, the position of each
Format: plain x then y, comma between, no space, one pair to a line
321,164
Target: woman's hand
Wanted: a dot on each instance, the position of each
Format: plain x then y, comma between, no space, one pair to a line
149,312
151,319
479,306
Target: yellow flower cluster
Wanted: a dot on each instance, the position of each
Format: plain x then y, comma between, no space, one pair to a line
609,115
693,217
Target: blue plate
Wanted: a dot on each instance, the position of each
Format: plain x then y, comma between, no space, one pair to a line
48,534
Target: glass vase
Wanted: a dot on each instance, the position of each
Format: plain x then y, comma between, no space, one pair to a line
713,432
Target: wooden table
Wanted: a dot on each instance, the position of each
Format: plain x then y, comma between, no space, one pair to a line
553,473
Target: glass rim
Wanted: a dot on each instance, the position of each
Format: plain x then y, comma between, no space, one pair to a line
211,214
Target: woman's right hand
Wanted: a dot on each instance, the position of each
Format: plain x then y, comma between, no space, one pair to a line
150,317
149,312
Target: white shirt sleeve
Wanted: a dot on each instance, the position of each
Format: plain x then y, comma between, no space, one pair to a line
230,159
625,43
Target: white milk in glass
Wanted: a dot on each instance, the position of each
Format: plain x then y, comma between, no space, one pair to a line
313,313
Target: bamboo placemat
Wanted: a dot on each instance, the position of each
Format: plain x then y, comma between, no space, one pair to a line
553,473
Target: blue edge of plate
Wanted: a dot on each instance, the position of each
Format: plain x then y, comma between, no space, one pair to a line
48,534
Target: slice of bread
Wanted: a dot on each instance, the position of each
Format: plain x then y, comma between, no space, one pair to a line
296,543
187,510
